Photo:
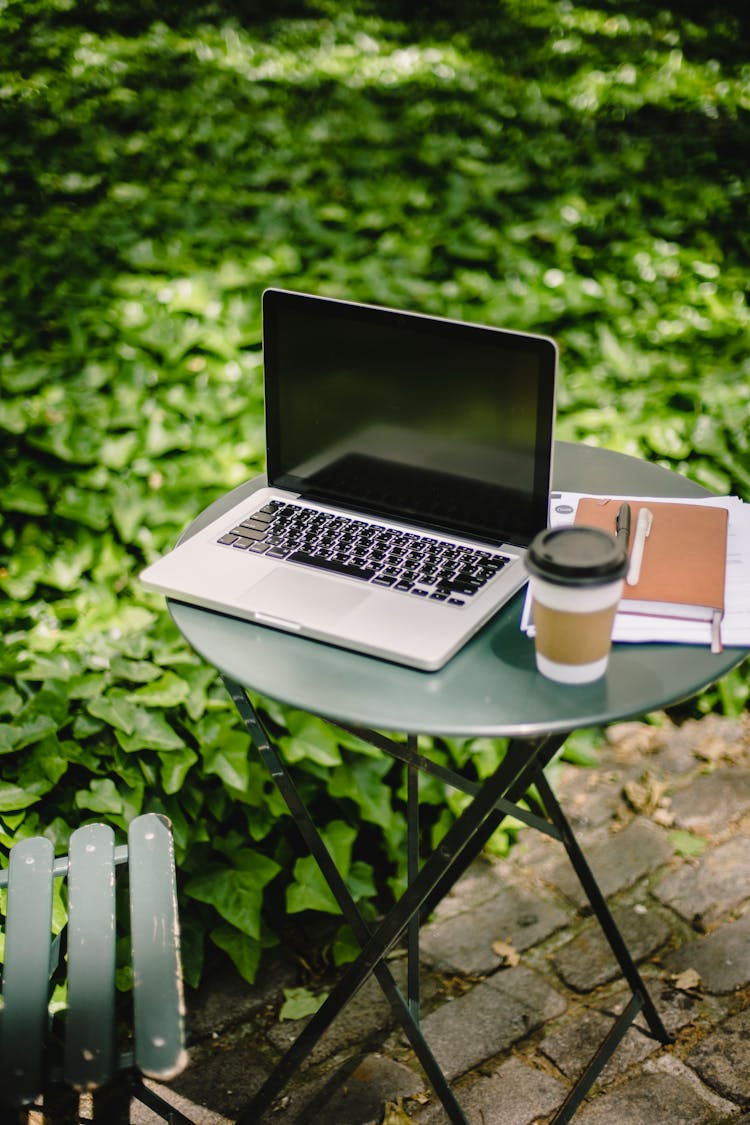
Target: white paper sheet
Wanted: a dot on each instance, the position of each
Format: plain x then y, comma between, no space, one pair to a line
638,627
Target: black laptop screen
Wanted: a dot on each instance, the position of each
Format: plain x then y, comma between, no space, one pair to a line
439,423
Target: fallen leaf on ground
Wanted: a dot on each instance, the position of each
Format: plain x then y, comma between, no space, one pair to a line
714,749
646,794
507,954
687,980
395,1114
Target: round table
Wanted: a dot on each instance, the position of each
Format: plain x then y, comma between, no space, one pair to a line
491,687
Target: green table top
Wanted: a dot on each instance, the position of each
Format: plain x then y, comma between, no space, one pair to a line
491,687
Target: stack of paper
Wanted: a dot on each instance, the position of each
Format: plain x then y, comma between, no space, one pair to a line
735,625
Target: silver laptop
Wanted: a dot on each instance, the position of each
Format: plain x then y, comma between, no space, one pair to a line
408,466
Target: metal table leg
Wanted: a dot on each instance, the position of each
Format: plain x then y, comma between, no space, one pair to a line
457,850
493,800
412,870
338,998
640,999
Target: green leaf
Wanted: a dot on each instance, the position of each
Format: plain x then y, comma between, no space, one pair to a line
13,797
362,782
361,880
175,766
229,760
244,951
102,796
582,747
309,891
151,731
116,710
55,666
199,680
131,801
486,754
20,497
300,1003
168,691
311,739
345,948
68,564
138,671
686,843
192,945
43,766
10,701
9,737
17,735
236,894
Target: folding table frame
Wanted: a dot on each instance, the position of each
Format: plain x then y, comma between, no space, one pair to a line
493,799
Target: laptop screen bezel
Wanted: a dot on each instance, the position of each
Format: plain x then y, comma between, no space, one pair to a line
279,307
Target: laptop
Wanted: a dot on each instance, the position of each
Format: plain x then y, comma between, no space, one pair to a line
408,468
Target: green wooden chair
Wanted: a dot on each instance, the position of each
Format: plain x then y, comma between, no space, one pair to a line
49,1061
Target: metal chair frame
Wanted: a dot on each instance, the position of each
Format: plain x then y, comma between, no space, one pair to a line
49,1061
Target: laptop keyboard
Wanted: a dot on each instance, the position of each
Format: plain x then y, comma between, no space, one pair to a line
406,561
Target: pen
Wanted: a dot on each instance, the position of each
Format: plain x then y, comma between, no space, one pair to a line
642,531
622,524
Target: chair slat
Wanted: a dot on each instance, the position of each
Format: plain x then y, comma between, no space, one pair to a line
28,934
90,1058
157,975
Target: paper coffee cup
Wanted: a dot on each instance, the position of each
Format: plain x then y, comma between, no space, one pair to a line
576,579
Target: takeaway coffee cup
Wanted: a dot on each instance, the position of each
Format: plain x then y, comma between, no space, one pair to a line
575,576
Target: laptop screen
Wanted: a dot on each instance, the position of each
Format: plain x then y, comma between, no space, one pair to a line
435,422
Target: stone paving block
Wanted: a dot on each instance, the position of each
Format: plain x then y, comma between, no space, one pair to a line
363,1094
704,890
141,1115
463,1033
633,743
723,1059
484,878
586,961
367,1013
463,943
223,1075
714,737
572,1047
589,798
676,1007
516,1094
227,1000
617,861
664,1093
712,801
722,958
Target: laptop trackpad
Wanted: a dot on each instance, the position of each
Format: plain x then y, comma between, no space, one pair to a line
296,596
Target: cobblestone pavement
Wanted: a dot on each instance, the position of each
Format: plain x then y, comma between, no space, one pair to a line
518,984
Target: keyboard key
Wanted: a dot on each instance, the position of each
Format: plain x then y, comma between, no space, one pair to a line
405,561
332,565
247,532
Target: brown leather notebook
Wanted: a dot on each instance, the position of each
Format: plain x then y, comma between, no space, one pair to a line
683,566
